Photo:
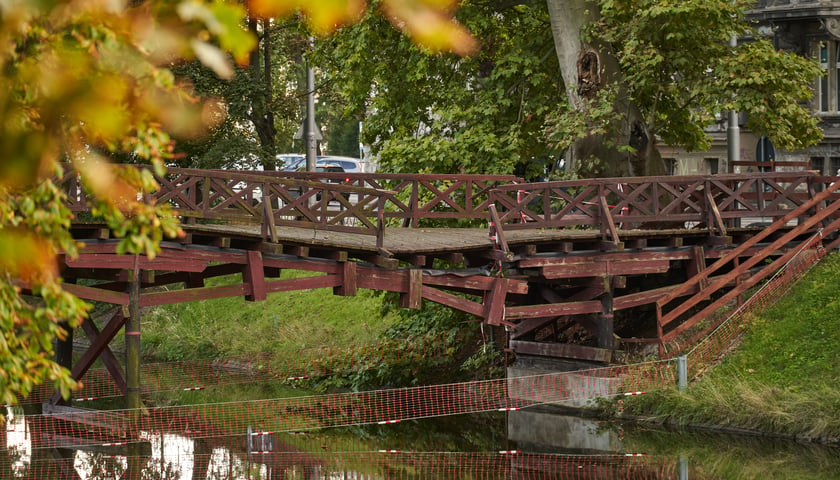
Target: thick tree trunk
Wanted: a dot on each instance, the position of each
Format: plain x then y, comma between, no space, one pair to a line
586,69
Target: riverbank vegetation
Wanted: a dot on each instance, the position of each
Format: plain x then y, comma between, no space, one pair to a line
782,378
376,343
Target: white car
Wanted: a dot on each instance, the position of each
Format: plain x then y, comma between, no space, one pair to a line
349,164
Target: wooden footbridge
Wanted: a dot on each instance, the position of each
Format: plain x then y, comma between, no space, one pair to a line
574,269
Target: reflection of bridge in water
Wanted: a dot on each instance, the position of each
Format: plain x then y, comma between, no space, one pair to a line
268,456
577,271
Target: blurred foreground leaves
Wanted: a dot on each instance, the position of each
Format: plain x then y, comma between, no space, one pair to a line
83,83
87,82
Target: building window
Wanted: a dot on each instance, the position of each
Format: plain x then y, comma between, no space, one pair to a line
834,166
712,165
822,89
836,79
671,166
818,164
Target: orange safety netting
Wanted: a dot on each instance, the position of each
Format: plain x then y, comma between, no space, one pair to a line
282,366
76,428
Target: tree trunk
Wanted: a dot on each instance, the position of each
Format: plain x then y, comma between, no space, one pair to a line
261,115
586,69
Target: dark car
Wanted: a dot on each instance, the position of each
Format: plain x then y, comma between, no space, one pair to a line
333,168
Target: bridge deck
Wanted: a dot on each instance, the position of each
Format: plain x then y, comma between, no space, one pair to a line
429,241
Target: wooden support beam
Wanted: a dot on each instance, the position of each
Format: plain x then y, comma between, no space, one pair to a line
149,299
608,229
494,302
305,283
636,243
605,318
107,356
528,250
553,309
296,250
127,262
269,230
456,302
715,214
562,350
254,276
132,344
95,349
599,269
496,232
697,264
349,280
528,325
267,248
418,260
221,242
98,294
413,298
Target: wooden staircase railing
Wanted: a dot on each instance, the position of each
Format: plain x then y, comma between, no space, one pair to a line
742,270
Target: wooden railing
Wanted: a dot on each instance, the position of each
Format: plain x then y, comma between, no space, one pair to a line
355,203
712,202
365,203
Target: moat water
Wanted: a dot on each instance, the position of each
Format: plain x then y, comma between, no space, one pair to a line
533,443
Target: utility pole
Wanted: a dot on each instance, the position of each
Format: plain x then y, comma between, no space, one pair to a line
733,131
309,127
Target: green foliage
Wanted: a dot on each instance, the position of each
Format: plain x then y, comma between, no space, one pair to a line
678,68
444,114
246,96
81,83
33,226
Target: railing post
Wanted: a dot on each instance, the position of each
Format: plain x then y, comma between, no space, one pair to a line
380,227
415,187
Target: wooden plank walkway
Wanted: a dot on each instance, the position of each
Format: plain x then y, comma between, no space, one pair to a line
428,241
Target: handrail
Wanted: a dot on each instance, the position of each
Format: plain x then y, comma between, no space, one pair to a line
345,202
365,202
714,202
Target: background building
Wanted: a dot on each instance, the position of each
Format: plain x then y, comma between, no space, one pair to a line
808,28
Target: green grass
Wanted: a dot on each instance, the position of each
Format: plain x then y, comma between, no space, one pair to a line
286,321
782,378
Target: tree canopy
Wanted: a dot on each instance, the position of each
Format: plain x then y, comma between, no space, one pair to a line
483,113
665,71
85,83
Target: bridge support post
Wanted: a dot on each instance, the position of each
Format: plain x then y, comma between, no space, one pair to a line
132,364
132,342
605,320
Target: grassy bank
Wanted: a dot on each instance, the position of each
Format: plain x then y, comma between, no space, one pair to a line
782,378
286,321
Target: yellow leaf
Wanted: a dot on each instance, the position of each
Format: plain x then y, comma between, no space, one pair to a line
100,177
26,256
214,58
323,16
432,28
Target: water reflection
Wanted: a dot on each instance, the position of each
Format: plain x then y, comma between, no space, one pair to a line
536,443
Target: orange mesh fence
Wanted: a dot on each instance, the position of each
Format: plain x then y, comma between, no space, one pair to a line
722,338
285,366
75,428
361,465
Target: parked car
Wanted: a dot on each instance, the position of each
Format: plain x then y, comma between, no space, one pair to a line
349,164
291,161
